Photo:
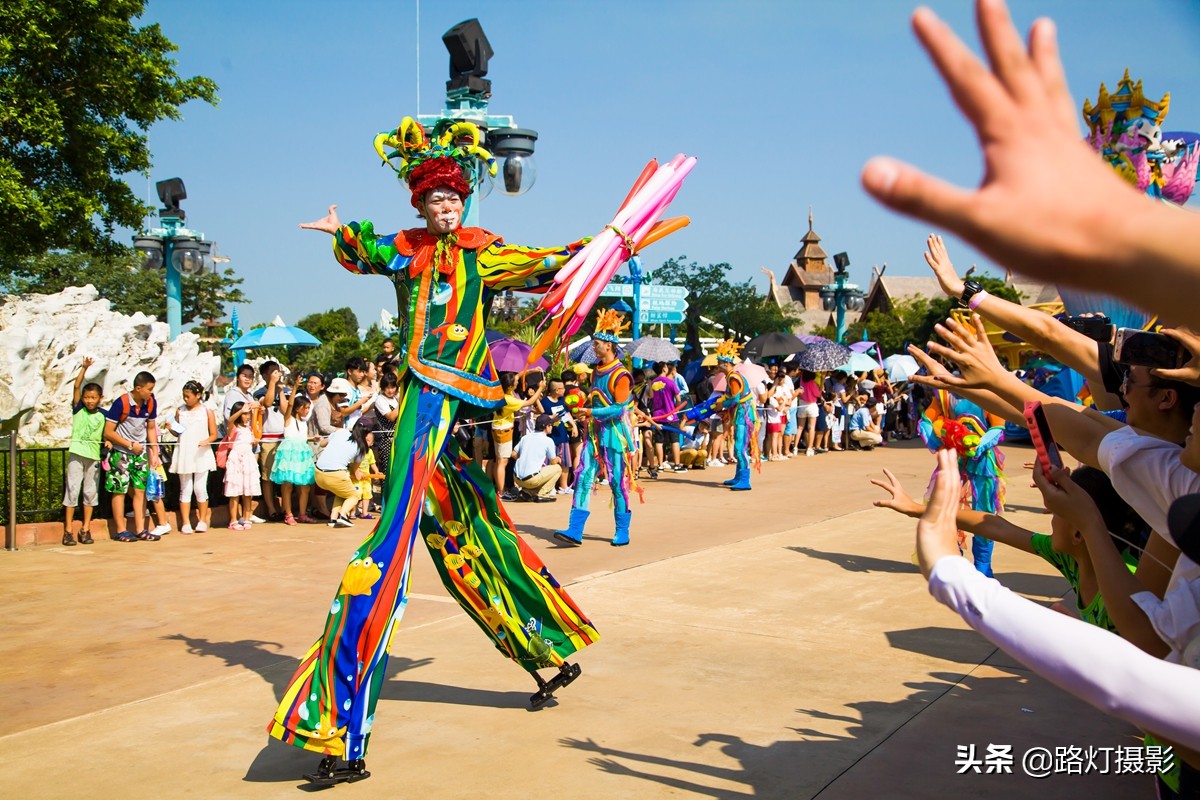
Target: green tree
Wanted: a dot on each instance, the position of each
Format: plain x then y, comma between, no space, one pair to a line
120,281
80,85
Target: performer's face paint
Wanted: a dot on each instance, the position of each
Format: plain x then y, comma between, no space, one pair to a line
604,350
442,209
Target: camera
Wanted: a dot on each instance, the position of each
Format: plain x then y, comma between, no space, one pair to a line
1098,328
1148,349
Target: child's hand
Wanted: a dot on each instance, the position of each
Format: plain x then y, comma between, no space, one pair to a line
899,499
88,361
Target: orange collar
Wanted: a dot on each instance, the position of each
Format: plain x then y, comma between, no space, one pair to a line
421,245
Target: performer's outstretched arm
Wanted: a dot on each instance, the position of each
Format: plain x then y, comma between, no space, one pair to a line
509,266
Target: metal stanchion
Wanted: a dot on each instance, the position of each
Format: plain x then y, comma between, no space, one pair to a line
10,531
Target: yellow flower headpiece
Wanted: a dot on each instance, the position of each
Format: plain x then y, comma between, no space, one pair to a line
610,325
728,350
411,147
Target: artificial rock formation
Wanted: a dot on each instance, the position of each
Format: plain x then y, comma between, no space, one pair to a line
44,339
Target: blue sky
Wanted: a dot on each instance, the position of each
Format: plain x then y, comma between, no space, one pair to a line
782,102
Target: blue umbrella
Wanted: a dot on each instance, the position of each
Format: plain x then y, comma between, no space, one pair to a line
585,354
275,336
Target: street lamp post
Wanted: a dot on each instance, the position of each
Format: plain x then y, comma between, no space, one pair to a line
174,247
842,296
467,95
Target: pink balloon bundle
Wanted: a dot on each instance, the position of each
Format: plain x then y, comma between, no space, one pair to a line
637,223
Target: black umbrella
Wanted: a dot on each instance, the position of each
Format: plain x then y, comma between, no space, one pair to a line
770,345
823,356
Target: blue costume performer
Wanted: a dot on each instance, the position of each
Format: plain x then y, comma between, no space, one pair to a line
608,436
953,422
737,410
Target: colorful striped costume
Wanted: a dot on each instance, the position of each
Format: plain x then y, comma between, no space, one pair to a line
609,439
739,415
432,489
952,421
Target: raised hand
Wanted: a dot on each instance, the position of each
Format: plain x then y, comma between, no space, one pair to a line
937,530
1189,372
939,261
971,352
1044,193
899,499
88,361
329,223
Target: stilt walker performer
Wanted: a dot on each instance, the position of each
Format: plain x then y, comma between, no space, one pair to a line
737,410
608,436
435,497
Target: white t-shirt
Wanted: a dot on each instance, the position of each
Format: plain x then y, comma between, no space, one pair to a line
534,451
1147,473
385,405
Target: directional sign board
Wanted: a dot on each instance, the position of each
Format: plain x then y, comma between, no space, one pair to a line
659,305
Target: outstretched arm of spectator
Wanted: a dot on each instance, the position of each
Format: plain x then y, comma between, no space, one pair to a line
1037,328
1101,236
984,398
77,390
1117,584
991,526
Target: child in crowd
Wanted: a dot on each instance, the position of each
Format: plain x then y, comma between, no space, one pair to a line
294,460
694,452
241,469
83,455
131,429
196,426
368,474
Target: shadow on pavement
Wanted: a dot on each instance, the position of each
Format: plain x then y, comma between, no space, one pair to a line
852,562
793,768
952,644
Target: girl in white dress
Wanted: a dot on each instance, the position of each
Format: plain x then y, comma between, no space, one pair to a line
193,459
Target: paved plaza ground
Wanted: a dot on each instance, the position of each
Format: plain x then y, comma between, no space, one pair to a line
777,643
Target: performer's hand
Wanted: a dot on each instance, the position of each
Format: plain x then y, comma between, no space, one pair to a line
329,223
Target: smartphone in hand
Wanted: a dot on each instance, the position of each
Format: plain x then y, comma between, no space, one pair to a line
1148,349
1043,439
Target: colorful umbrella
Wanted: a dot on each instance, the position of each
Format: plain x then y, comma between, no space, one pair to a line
753,373
585,354
859,362
275,336
823,356
509,355
770,345
653,348
901,367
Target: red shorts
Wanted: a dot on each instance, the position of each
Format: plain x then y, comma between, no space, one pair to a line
774,427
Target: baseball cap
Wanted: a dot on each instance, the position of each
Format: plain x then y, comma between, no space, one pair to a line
543,420
580,368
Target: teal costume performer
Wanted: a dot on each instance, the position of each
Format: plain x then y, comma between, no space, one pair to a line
435,497
608,437
736,406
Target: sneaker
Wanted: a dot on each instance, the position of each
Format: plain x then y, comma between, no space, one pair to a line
187,530
603,481
255,519
305,519
247,523
288,519
567,490
237,525
809,452
666,466
333,523
712,462
201,527
162,530
342,522
679,468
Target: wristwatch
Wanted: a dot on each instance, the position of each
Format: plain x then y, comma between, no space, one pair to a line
970,289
